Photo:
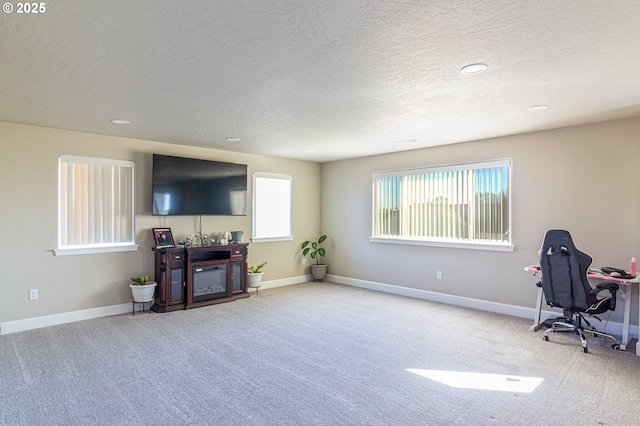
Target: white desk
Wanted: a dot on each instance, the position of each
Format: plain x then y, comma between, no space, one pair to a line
626,295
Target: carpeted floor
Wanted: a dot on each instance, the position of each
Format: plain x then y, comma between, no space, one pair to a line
312,354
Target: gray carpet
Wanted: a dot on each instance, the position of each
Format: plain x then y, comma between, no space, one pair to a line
309,354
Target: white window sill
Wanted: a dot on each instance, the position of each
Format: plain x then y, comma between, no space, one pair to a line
449,244
270,239
111,248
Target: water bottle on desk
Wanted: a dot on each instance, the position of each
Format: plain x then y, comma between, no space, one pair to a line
633,267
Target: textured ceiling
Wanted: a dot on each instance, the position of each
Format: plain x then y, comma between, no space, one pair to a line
343,78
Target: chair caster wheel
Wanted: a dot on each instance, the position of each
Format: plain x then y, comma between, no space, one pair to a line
585,350
546,338
615,346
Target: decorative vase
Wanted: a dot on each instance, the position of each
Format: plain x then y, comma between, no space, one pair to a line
143,293
319,271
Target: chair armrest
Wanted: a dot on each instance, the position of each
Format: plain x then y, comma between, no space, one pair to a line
608,285
612,287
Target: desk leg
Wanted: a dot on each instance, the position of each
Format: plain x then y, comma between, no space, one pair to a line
627,311
536,316
638,341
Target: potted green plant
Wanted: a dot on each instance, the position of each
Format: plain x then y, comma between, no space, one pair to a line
142,289
318,270
254,275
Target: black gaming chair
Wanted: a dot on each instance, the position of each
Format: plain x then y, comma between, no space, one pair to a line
565,285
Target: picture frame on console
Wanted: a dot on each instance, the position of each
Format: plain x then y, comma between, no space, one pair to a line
163,237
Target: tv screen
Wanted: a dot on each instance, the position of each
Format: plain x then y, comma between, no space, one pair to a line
192,187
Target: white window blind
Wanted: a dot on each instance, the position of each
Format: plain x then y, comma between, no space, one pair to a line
96,205
271,207
468,203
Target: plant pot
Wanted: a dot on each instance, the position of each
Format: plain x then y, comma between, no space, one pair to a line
319,271
143,293
254,279
236,236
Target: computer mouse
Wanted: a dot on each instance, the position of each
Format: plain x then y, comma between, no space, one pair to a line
615,274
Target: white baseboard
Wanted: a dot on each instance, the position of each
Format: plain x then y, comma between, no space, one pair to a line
614,328
63,318
285,281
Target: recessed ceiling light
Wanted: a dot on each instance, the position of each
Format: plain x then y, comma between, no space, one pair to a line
308,151
119,121
407,141
233,139
474,69
537,108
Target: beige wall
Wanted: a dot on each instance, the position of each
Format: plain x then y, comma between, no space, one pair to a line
28,215
584,179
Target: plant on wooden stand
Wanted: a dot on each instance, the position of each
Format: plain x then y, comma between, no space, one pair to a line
319,270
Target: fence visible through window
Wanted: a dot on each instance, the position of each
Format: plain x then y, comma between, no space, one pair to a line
463,203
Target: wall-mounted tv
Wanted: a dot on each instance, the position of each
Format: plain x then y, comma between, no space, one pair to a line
192,187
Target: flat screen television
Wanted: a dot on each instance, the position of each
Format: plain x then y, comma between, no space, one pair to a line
193,187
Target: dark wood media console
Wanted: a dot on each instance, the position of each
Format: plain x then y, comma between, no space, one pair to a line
192,277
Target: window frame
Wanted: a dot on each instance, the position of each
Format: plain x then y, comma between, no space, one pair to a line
74,249
278,176
445,241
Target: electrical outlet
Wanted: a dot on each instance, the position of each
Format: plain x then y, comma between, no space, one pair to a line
304,261
439,275
33,294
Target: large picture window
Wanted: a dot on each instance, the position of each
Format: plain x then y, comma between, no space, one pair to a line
465,204
96,205
271,207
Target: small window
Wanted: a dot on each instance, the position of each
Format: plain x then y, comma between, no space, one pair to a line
464,204
271,207
96,205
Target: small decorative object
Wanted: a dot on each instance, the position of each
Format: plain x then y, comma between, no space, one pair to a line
142,289
254,276
163,237
236,236
318,270
225,236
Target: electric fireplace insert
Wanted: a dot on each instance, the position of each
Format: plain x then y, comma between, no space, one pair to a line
209,282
